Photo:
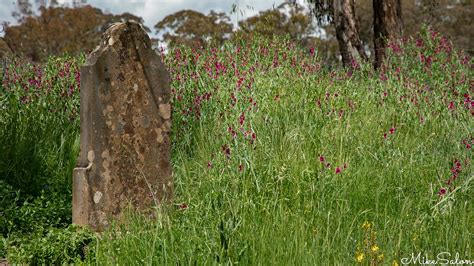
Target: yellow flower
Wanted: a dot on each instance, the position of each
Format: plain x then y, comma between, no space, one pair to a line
395,263
374,248
380,257
366,225
359,257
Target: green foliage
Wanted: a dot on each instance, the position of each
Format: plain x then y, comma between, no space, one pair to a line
36,213
3,244
51,246
38,231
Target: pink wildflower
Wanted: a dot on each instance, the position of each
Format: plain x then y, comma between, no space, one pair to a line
442,192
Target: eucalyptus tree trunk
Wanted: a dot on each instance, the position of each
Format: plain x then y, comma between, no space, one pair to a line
387,26
347,33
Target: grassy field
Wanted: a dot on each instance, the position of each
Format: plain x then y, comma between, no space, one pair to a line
277,159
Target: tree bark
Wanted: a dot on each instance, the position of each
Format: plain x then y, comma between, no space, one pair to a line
387,26
347,33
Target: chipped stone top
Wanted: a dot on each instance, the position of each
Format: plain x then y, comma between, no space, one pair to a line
111,39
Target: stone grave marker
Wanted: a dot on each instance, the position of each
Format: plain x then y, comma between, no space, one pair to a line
125,125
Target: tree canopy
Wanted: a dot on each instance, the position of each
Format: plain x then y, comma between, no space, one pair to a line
193,28
59,30
285,19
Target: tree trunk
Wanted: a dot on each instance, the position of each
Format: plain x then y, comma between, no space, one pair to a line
347,33
387,26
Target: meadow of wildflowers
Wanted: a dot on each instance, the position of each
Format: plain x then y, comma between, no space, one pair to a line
276,158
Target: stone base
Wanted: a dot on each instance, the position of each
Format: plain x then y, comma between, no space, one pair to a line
80,196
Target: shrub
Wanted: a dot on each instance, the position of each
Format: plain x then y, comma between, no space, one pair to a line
51,246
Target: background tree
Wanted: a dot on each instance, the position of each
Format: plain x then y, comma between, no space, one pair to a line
23,9
453,18
342,14
189,27
387,26
5,49
299,23
59,30
285,19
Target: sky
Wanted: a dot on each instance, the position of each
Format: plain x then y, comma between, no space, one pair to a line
153,11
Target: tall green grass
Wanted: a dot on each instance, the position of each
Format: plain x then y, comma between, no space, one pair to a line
274,199
39,124
38,150
280,160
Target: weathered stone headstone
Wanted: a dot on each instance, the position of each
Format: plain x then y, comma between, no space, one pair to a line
125,125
